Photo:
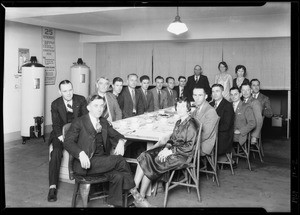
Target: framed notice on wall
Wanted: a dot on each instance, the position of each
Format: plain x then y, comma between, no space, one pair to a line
48,54
23,57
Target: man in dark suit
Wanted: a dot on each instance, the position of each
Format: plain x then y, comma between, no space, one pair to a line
197,81
225,111
171,93
130,99
263,99
63,110
117,86
147,97
87,141
180,88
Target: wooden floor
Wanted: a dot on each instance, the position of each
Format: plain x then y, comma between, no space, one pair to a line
266,186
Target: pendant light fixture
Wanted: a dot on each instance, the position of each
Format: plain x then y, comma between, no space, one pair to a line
177,27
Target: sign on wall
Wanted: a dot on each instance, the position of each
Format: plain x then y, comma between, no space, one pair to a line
48,54
23,57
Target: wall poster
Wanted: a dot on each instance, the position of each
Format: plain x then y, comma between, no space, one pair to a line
23,57
48,49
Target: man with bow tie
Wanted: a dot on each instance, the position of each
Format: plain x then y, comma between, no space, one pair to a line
63,110
89,140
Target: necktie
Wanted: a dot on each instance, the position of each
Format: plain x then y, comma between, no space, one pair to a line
171,93
215,105
133,99
146,94
197,78
159,106
105,112
98,127
181,92
69,107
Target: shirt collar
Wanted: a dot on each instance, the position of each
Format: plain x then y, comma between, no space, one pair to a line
93,120
68,102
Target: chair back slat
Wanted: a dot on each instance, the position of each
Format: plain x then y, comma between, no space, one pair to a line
215,151
196,160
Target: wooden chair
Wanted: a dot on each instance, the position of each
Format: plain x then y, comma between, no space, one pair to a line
257,148
244,151
228,162
83,183
211,159
190,172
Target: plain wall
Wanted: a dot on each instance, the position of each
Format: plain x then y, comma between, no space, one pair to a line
67,49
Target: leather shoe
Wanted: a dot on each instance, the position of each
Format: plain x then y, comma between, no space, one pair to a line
143,204
52,195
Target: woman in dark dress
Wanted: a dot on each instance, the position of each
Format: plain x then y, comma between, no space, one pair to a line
240,72
165,156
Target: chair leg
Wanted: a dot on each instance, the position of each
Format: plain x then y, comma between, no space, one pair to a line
126,199
84,192
229,157
74,197
247,152
155,188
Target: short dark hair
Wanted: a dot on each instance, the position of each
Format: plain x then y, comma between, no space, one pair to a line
241,67
168,78
64,82
159,77
180,77
245,84
218,85
235,88
132,74
93,97
117,79
144,77
223,63
201,88
183,99
254,79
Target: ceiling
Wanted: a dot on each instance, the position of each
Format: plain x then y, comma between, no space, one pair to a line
103,21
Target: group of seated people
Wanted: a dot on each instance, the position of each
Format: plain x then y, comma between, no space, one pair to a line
98,148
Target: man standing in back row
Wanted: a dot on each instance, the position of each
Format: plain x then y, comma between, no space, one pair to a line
197,81
63,110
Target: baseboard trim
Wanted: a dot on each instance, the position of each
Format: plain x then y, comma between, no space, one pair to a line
13,136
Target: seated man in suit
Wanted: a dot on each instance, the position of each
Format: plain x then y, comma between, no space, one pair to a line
180,88
244,121
147,97
159,96
225,112
171,93
112,111
197,81
63,110
87,141
207,115
256,107
263,99
117,86
130,99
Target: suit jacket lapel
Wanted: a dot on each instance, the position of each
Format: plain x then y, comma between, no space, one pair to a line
75,107
203,110
62,110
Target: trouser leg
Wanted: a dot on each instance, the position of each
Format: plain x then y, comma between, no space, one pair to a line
55,161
